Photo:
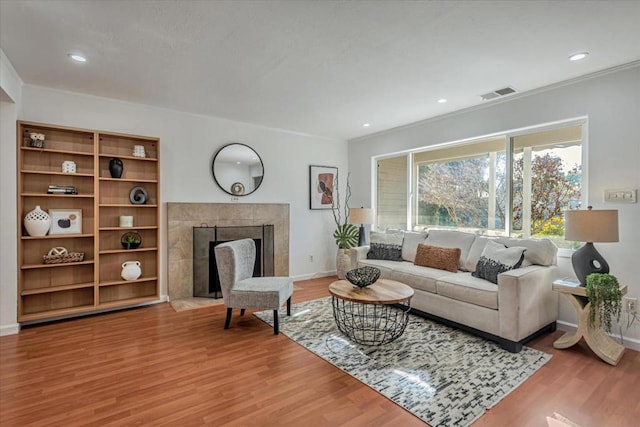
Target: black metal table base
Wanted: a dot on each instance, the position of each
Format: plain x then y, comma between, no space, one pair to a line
370,324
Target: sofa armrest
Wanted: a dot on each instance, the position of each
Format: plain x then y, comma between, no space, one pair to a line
358,253
526,300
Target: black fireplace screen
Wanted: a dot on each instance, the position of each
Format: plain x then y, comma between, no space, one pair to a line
206,282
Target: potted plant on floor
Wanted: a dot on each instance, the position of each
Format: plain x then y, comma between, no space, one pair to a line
346,235
605,296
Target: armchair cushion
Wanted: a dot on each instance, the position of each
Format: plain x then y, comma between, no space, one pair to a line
261,292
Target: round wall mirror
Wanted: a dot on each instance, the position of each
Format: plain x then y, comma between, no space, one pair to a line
237,169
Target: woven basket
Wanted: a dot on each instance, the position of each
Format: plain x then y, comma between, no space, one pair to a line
64,258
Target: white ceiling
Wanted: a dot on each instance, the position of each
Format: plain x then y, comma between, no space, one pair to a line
317,67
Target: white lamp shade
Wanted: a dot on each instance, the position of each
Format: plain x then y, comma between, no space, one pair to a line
361,216
591,225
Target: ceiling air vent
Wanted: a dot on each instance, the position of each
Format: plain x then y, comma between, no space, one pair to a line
498,93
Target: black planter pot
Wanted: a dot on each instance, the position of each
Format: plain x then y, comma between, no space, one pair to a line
116,167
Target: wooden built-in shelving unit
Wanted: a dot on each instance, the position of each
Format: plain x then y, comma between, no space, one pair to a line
53,290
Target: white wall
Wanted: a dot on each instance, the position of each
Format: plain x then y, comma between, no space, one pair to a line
188,143
612,103
10,104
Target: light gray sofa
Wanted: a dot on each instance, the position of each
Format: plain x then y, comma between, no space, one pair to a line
521,306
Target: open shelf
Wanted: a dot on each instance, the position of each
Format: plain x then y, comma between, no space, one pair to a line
50,150
62,264
56,288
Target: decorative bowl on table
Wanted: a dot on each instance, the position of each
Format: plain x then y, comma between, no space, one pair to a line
363,277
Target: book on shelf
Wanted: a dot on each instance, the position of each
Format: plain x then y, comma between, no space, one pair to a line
62,189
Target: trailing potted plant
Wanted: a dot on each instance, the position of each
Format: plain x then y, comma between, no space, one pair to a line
346,235
605,296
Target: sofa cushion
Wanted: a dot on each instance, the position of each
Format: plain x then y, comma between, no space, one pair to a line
382,264
386,246
539,251
497,258
452,239
422,278
437,257
465,287
474,253
410,244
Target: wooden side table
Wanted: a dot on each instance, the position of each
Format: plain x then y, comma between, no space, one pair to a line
597,339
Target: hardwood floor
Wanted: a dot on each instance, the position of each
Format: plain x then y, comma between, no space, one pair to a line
153,366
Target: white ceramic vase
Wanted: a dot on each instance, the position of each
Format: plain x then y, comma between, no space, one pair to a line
37,222
130,270
343,263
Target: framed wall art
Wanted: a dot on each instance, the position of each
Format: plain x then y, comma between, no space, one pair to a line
321,186
66,221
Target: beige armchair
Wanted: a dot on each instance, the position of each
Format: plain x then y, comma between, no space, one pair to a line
235,261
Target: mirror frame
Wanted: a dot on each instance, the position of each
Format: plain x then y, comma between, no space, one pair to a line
238,184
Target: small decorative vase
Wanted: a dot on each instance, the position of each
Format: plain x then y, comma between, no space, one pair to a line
37,222
343,263
130,270
116,167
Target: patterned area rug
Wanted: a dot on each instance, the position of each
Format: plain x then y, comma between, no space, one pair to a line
444,376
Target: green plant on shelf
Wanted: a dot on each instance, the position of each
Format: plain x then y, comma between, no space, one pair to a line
131,240
605,296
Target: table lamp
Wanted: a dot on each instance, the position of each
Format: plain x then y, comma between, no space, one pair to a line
361,216
590,226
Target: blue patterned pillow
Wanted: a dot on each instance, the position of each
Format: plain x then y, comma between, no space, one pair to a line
385,246
497,258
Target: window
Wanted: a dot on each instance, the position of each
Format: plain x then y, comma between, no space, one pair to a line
512,184
546,180
463,187
392,193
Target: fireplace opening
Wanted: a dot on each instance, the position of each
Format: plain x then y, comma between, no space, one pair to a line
206,282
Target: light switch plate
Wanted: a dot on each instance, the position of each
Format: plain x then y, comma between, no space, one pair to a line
623,195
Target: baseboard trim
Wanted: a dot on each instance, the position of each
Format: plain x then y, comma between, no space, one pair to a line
9,329
316,275
630,343
162,299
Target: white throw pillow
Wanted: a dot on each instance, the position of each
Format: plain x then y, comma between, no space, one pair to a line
497,258
539,251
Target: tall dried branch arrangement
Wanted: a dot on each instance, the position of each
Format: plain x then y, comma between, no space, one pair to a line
335,202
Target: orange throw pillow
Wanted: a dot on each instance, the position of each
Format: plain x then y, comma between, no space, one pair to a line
437,257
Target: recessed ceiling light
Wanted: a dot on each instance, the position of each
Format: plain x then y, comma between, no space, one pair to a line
441,101
77,57
578,56
366,125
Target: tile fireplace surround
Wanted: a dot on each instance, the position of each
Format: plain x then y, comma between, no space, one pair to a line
182,217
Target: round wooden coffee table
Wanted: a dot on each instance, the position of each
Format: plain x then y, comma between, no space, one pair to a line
375,315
